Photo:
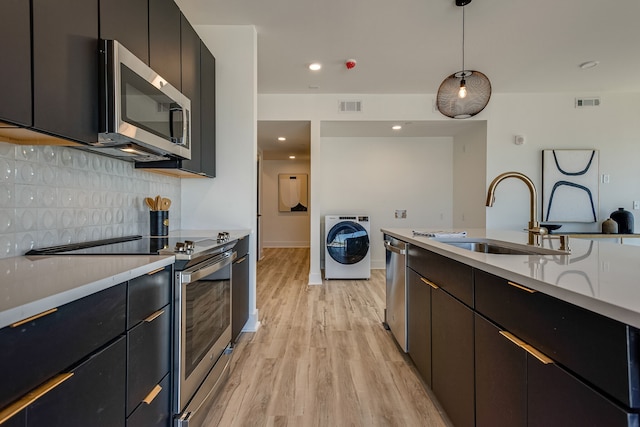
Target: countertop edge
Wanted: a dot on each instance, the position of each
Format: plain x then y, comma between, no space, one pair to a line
20,312
592,304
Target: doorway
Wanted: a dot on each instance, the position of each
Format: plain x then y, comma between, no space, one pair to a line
284,174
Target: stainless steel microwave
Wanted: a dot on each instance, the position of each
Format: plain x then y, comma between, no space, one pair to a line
143,117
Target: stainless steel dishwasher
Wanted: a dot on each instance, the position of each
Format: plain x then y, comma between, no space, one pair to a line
395,314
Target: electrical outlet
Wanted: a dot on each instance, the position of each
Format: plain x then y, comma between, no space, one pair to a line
401,213
636,204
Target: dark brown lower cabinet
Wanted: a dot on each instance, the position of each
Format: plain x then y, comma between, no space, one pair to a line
93,396
501,378
148,356
557,398
514,388
452,353
155,413
419,324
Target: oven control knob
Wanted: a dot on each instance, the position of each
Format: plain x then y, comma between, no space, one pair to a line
180,247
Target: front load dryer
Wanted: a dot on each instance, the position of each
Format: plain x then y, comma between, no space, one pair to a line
347,252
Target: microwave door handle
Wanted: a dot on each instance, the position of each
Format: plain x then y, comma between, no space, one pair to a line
185,126
172,110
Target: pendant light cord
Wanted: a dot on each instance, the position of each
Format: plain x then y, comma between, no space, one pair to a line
463,73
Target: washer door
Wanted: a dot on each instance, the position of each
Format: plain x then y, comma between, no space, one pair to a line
347,242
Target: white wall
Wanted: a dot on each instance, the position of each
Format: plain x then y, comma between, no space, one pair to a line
376,176
228,202
551,121
282,229
547,121
469,176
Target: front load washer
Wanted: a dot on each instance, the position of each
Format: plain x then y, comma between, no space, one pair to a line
346,249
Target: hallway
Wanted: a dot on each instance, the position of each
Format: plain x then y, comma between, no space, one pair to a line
321,356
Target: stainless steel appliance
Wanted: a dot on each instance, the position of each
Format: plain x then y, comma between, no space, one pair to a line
203,335
202,311
395,314
143,117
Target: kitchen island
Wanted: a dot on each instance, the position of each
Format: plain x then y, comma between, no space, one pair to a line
525,339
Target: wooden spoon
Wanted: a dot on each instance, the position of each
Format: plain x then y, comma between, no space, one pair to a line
166,204
150,203
158,203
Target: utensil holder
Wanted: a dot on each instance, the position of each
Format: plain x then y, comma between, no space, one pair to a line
159,223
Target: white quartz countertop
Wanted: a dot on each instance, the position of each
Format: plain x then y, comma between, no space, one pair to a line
33,284
599,276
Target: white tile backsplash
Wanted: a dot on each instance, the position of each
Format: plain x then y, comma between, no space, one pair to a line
54,195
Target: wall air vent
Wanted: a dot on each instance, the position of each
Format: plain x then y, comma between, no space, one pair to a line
587,102
350,106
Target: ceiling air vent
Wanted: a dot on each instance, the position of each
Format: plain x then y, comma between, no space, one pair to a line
587,102
350,106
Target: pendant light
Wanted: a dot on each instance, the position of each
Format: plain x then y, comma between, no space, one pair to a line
465,93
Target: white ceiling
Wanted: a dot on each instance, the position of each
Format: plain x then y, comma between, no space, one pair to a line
410,46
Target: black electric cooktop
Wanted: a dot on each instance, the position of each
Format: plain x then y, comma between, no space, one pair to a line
128,245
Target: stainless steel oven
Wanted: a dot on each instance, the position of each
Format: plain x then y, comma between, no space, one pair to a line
203,335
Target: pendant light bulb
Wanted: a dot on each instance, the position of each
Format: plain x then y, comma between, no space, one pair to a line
462,93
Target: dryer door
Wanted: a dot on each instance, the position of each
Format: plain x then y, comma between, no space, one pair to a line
347,242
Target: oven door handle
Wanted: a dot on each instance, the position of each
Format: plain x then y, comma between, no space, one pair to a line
204,269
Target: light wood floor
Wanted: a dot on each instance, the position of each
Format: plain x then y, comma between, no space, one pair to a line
321,356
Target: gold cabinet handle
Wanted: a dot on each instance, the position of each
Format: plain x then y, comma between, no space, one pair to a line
32,396
151,273
34,317
154,316
527,347
241,260
524,288
430,283
152,394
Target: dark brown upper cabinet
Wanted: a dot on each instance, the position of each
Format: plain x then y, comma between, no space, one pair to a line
15,73
191,88
207,112
127,21
164,40
65,68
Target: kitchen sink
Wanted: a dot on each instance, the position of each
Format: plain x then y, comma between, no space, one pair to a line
499,247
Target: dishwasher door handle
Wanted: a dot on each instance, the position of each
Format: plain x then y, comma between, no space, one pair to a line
388,246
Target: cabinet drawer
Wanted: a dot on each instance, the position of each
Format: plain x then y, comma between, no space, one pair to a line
148,293
452,276
36,350
93,396
556,398
155,412
602,351
148,356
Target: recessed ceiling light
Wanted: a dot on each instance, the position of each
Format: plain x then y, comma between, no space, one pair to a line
282,138
396,127
589,64
292,157
315,66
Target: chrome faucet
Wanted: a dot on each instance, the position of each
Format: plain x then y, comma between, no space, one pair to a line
534,228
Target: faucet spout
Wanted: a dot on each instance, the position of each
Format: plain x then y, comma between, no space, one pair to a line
534,226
